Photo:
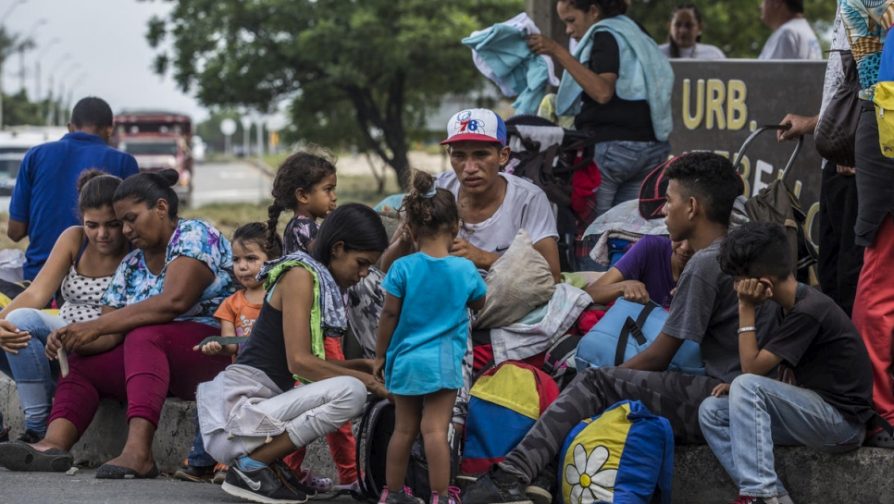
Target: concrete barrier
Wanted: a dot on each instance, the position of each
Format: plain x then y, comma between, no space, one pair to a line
106,435
863,476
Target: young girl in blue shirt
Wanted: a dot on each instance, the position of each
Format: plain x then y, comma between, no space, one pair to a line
422,338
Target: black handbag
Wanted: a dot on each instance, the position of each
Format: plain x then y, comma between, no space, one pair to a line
836,129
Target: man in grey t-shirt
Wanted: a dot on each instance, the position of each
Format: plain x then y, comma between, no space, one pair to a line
700,196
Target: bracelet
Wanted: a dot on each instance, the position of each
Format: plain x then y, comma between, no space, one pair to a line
743,330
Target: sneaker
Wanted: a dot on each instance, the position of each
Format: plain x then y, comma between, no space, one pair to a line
452,497
405,496
539,489
30,437
260,485
288,477
497,486
352,487
320,484
196,474
220,473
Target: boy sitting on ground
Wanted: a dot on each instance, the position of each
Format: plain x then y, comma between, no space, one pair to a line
825,397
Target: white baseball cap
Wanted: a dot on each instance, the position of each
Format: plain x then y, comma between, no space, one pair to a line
476,125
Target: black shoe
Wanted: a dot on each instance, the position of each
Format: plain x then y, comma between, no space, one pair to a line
540,490
30,437
196,474
17,456
285,474
260,485
497,486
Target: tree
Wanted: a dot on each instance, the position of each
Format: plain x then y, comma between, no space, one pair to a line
358,72
732,25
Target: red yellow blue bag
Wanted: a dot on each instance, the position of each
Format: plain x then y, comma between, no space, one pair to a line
504,404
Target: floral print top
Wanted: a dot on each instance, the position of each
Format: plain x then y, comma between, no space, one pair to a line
299,233
133,282
867,22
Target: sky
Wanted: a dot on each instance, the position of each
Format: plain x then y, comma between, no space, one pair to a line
101,51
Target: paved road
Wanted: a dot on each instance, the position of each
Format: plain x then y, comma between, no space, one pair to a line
83,488
232,182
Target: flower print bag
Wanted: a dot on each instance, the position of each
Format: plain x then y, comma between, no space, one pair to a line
624,455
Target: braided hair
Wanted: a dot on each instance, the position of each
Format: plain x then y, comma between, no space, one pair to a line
301,170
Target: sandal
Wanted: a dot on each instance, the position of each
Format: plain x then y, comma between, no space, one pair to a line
110,471
17,456
880,439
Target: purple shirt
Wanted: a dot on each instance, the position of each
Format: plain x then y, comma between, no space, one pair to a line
649,261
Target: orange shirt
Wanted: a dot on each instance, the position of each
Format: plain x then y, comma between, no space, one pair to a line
240,312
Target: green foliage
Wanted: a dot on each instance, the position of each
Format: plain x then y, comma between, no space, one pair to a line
359,73
732,25
19,110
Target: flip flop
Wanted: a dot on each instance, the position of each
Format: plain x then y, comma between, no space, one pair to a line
111,471
17,456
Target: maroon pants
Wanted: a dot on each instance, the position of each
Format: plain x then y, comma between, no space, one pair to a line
152,363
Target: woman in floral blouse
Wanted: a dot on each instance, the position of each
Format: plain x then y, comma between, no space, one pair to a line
159,304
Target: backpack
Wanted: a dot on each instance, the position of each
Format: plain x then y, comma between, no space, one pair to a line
559,359
653,191
624,455
373,436
625,330
505,403
777,204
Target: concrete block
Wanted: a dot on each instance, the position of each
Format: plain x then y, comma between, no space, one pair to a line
106,435
810,476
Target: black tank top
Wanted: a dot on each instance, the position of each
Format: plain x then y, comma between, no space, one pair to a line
266,348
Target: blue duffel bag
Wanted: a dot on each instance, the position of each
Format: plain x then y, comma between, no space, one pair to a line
625,330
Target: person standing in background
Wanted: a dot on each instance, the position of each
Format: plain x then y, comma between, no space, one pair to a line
45,199
792,37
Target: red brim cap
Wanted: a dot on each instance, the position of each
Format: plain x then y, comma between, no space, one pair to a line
471,137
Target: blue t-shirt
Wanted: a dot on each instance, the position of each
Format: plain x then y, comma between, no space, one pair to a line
426,350
133,282
46,197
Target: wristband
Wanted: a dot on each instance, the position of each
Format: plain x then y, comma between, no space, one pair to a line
747,329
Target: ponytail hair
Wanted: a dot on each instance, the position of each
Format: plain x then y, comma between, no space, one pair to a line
674,48
356,226
149,187
96,189
429,210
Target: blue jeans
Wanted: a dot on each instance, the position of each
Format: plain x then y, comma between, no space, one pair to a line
30,368
759,412
198,457
624,165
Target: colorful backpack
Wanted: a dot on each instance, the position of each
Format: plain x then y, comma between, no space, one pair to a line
883,97
625,456
505,402
625,330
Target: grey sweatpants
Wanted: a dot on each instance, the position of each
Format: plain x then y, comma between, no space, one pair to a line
675,396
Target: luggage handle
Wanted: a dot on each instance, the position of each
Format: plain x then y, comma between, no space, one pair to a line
634,327
769,127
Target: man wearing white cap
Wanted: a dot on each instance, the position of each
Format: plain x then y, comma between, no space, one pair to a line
493,206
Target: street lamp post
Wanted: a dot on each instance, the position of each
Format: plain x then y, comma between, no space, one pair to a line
40,56
3,19
26,44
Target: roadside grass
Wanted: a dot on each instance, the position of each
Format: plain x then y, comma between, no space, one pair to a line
228,216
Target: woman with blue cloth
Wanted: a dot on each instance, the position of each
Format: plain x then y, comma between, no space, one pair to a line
617,85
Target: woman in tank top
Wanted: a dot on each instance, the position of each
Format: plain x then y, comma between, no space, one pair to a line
81,264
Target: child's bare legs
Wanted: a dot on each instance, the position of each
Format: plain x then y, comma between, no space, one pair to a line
408,411
436,415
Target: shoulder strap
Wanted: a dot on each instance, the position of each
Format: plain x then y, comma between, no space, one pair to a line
634,328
